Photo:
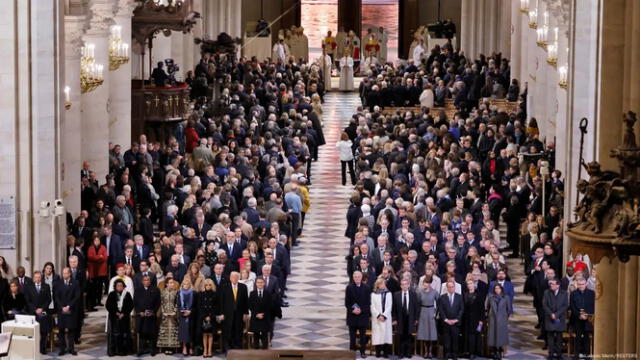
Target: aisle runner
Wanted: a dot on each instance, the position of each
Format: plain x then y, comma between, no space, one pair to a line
316,318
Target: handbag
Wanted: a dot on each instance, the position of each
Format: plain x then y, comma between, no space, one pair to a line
207,325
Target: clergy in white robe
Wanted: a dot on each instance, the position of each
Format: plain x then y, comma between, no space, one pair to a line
325,62
346,73
418,53
280,52
383,39
369,61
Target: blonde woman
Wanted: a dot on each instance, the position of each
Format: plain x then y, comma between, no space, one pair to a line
206,315
186,305
317,106
381,310
195,277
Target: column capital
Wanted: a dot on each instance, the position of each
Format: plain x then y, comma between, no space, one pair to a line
126,8
102,13
74,28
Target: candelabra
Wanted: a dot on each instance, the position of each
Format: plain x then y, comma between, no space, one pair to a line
90,71
118,50
67,97
524,6
533,15
541,40
563,72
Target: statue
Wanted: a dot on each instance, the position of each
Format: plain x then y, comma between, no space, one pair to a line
629,140
607,204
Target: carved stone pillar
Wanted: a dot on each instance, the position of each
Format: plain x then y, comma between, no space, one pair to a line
96,104
75,27
516,40
120,83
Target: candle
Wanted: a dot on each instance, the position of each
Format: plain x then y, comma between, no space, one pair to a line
555,34
126,49
90,50
546,18
67,94
563,73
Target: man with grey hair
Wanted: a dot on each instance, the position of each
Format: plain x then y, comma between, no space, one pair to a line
253,216
121,210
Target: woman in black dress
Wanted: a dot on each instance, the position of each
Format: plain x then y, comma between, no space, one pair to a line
14,302
119,305
206,312
472,319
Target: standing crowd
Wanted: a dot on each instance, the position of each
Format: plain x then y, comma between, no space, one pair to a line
428,263
189,236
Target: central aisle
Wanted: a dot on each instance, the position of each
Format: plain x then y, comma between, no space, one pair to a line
316,316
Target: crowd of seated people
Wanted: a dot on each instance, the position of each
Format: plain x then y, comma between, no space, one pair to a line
427,262
191,237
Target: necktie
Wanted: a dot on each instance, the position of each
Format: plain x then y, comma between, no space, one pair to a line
235,293
67,282
451,299
405,303
266,280
74,273
260,294
128,261
274,254
38,288
21,281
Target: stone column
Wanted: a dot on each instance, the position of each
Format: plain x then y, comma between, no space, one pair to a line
492,8
75,27
96,104
504,27
466,26
516,40
120,83
223,16
605,327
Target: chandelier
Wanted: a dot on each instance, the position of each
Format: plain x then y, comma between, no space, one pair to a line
90,72
118,50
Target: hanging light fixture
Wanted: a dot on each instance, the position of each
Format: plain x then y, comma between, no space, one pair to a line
533,16
524,6
552,49
118,50
90,72
563,71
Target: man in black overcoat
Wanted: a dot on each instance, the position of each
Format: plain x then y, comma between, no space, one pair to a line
450,310
357,301
233,309
38,296
260,303
582,305
146,304
406,313
555,303
69,308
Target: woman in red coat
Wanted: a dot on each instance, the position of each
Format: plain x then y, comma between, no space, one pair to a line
193,140
97,269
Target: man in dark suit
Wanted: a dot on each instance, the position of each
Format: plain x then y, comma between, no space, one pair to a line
272,285
79,276
131,258
38,296
68,307
115,249
22,279
260,304
233,249
501,279
406,313
582,305
179,270
555,303
141,250
357,301
282,260
233,309
144,271
253,216
145,227
146,304
450,309
219,276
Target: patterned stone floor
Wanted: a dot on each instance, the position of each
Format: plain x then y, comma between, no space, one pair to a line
315,319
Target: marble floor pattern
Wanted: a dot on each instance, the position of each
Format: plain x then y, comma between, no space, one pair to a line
315,319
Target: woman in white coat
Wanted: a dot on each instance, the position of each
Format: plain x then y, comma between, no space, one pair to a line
426,98
381,327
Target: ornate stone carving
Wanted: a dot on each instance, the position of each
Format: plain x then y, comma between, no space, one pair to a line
74,29
126,7
102,13
608,215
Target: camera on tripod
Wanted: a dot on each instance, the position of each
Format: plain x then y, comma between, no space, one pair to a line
172,69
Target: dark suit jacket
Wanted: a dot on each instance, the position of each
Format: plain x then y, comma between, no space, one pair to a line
282,259
27,280
137,279
39,300
224,280
233,309
80,278
116,251
360,295
68,295
558,305
145,253
259,305
237,251
448,311
412,316
146,230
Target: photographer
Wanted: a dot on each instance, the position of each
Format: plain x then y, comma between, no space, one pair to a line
159,76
